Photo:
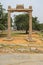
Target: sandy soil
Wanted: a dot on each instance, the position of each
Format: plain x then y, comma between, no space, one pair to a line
21,59
22,40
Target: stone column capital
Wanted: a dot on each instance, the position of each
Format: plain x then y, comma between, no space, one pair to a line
30,9
9,7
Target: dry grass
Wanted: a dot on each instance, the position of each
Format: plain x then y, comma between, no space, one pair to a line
21,39
21,43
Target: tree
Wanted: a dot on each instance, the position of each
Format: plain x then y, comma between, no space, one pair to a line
41,26
35,23
3,18
22,22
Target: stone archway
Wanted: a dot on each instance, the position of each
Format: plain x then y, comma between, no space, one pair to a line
20,8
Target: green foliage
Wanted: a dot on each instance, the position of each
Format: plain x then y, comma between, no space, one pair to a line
22,22
3,18
2,27
41,26
35,23
2,22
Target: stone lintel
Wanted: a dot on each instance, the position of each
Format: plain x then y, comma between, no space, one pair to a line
19,10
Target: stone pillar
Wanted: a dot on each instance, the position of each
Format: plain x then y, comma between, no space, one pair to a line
30,23
9,24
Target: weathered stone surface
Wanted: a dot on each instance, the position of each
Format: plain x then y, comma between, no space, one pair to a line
20,7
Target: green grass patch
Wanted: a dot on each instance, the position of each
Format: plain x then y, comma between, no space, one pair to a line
18,34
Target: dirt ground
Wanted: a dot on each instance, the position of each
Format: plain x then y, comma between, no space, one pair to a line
22,39
36,45
21,59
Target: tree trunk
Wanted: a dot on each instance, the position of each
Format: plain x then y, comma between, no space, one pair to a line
26,31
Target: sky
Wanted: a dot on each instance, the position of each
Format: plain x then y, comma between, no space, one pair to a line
37,6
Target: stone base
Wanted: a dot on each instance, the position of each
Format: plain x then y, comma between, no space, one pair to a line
8,39
30,39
